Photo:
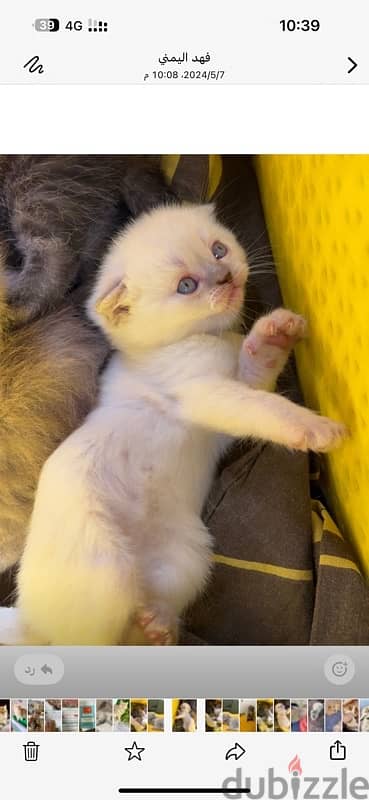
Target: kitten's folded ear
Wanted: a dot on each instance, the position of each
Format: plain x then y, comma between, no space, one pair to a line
115,304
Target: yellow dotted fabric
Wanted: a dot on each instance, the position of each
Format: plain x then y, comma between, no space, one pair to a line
316,209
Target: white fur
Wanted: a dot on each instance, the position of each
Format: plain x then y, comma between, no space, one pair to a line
118,505
117,522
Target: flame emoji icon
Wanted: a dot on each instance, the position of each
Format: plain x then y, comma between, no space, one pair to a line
295,770
295,766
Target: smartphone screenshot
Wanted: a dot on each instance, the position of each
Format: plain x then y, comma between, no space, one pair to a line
184,390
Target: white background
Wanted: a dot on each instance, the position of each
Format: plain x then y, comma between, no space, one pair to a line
184,119
80,766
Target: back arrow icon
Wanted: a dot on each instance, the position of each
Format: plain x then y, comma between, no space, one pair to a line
354,65
235,752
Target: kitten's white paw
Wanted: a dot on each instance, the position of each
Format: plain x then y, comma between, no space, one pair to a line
281,328
316,433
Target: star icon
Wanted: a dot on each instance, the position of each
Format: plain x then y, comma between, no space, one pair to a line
134,752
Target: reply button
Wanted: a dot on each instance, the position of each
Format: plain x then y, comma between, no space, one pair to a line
38,669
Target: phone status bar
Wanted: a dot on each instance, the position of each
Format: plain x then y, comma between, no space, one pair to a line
259,45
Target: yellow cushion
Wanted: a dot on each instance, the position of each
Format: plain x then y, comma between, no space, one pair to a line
316,211
169,164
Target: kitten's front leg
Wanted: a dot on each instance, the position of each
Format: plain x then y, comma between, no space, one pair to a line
266,349
231,407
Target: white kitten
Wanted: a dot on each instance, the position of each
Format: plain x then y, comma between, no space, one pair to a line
117,549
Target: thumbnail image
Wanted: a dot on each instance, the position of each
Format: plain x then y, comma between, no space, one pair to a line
19,715
316,716
36,716
4,716
104,715
155,716
298,715
248,715
86,716
231,715
282,716
139,715
121,715
364,715
350,715
214,715
184,715
265,715
333,716
70,715
53,715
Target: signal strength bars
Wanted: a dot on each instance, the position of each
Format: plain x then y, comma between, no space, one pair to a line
97,26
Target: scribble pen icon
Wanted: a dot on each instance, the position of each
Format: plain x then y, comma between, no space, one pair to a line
34,65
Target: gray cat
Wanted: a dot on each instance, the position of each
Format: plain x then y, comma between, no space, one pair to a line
57,216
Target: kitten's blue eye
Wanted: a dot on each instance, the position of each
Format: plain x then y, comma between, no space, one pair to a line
187,286
219,250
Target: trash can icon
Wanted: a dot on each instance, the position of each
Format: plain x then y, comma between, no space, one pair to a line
31,751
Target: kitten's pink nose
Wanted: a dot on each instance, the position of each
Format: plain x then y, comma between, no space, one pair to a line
227,279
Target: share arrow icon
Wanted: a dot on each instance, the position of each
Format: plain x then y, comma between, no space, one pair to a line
235,752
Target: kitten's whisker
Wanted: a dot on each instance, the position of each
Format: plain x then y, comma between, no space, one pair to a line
261,259
224,187
262,233
263,272
254,269
251,250
262,265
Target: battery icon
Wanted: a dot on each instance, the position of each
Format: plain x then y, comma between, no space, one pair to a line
46,24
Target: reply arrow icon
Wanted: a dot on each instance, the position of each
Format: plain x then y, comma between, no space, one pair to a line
235,752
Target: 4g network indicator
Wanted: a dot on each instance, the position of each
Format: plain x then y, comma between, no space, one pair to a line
53,25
